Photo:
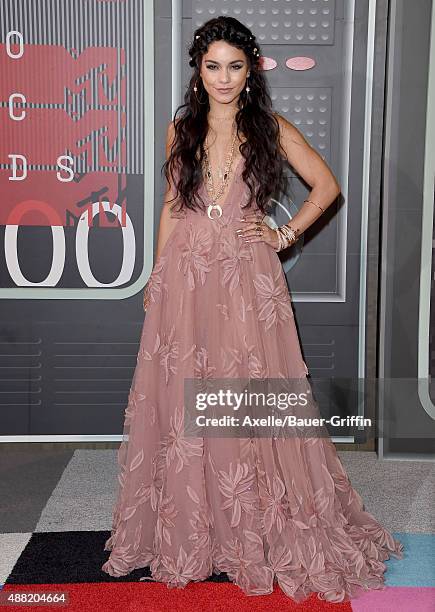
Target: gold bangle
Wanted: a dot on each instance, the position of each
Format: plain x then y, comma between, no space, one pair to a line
318,205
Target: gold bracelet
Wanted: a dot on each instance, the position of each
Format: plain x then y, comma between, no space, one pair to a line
318,205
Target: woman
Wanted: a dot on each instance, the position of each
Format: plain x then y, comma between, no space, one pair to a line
261,509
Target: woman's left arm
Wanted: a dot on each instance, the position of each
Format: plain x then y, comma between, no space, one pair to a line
324,190
313,169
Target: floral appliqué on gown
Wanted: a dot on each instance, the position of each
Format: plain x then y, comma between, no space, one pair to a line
263,510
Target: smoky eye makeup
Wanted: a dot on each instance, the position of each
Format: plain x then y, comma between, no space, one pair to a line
213,66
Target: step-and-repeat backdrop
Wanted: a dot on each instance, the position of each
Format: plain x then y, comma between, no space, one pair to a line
77,209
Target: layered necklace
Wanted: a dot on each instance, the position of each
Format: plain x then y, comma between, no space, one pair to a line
224,174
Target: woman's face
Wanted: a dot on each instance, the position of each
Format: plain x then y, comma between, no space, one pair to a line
224,69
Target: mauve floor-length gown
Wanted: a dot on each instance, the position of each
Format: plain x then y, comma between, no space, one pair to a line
260,509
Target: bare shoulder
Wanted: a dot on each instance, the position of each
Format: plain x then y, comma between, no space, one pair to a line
288,132
170,131
303,157
170,135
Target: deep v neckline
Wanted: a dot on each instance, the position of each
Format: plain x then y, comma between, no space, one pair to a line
229,189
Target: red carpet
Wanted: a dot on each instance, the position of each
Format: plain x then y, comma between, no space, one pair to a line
155,597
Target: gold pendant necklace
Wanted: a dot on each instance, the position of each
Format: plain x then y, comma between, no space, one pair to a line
226,173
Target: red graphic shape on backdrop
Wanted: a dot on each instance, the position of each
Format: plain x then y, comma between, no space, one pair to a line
74,107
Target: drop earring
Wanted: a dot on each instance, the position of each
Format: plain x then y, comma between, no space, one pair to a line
195,89
247,90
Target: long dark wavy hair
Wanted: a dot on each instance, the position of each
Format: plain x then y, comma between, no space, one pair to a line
263,171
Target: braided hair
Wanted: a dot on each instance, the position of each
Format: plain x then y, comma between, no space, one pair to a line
263,171
223,28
